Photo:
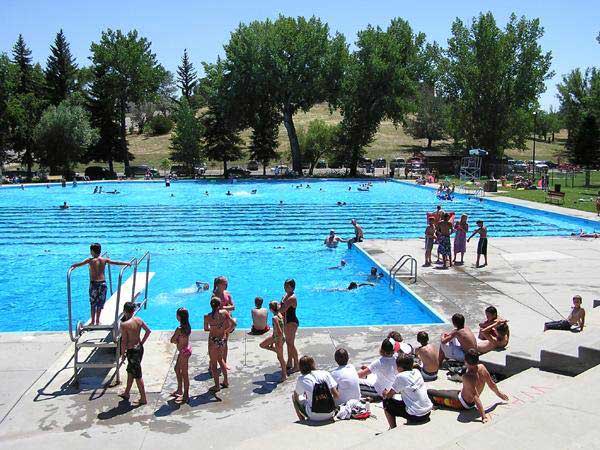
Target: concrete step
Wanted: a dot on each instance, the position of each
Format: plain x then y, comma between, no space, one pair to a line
522,389
565,417
560,351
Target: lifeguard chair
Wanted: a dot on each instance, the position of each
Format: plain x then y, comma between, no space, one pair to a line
470,166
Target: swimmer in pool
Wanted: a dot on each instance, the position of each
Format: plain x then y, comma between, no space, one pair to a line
374,275
352,286
202,286
64,206
341,266
332,240
229,193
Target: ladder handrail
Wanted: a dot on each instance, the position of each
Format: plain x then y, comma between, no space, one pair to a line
400,264
399,261
110,285
69,302
146,256
132,263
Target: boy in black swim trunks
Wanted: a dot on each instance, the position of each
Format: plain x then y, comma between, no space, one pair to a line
132,348
482,244
97,281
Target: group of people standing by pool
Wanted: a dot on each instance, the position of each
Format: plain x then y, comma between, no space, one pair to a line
440,227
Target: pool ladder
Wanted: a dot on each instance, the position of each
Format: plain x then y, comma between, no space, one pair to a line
398,265
107,334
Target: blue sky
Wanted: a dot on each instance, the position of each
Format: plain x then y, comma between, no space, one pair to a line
203,26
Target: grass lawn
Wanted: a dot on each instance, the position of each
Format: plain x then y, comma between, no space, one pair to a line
576,196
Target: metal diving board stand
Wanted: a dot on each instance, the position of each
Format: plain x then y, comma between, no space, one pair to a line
107,334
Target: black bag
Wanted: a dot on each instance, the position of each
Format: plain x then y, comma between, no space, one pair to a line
322,400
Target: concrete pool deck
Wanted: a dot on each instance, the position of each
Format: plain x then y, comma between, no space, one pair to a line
41,408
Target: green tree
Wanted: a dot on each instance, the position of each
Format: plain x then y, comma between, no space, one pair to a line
493,81
585,148
429,121
264,139
186,145
7,89
381,81
293,63
572,94
186,77
61,71
63,136
317,140
102,104
22,59
132,71
221,141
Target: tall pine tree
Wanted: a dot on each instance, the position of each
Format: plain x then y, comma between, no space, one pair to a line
186,77
22,58
102,104
61,70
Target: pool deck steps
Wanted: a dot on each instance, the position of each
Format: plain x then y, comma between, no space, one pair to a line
523,389
558,351
565,417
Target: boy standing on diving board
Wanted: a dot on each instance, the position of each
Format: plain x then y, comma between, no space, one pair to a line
97,280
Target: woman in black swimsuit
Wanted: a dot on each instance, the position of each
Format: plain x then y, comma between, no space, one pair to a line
289,303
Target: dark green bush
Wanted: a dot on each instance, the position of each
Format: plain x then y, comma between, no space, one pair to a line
160,125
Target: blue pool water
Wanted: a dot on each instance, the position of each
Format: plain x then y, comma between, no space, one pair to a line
253,239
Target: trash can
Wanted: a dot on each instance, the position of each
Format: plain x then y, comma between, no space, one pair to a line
557,187
491,186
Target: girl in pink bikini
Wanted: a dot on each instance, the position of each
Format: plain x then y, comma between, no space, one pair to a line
220,291
181,338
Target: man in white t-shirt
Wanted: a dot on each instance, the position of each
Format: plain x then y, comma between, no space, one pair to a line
346,378
415,405
303,394
380,374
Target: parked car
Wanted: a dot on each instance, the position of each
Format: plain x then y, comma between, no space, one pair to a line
140,171
200,170
397,163
281,170
252,165
237,171
520,167
380,163
182,171
321,164
99,173
365,162
551,164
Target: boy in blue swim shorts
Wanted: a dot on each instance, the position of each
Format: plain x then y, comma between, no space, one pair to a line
97,289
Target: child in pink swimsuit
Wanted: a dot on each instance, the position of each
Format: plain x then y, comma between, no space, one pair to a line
181,338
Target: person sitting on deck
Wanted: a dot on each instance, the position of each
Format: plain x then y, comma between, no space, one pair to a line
358,233
399,345
380,374
428,355
493,331
259,318
414,405
576,318
455,344
346,377
474,381
315,393
97,289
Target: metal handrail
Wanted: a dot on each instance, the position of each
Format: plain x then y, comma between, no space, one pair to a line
392,269
133,262
146,256
400,264
110,284
69,301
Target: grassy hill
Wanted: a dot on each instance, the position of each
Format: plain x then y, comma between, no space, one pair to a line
390,142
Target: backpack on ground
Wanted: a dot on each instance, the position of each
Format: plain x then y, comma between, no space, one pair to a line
322,400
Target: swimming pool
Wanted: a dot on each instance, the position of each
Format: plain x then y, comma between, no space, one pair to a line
256,240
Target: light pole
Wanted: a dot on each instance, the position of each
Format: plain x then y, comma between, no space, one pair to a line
534,128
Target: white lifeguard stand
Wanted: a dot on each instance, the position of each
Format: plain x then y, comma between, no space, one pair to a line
470,166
